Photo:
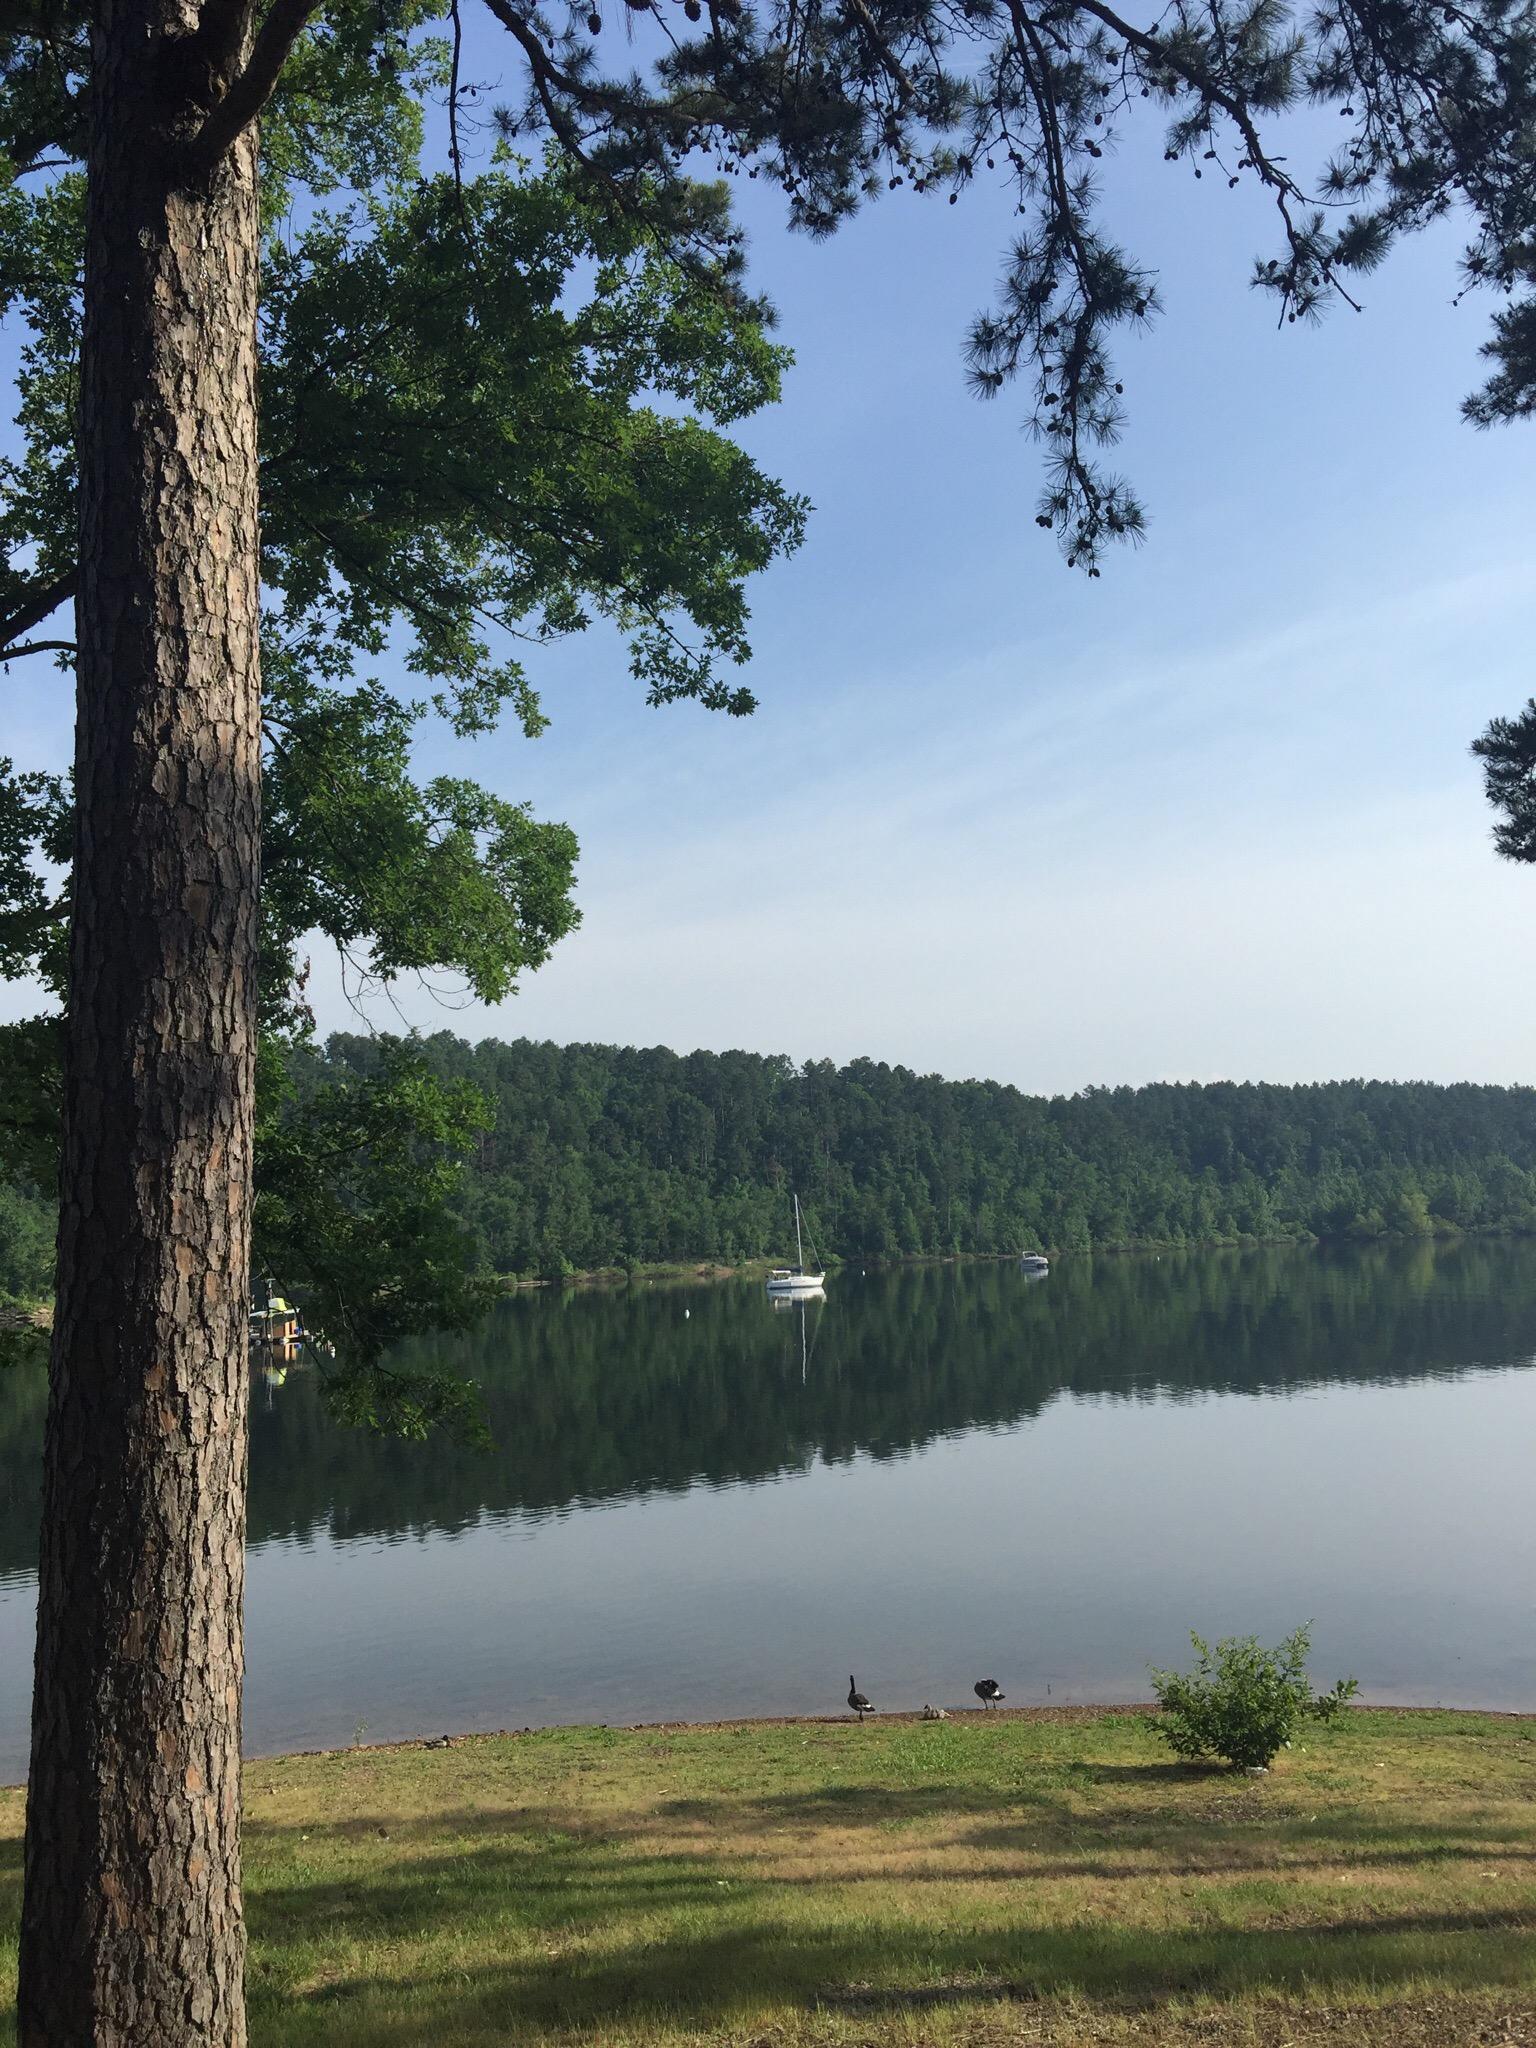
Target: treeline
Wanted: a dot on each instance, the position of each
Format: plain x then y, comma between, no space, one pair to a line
610,1156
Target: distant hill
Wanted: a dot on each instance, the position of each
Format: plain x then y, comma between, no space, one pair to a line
606,1155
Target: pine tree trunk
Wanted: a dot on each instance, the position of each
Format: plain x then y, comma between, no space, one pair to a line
132,1931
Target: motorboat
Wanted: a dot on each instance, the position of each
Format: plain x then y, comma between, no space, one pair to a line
1034,1262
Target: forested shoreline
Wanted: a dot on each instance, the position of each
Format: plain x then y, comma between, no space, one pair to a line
607,1156
596,1157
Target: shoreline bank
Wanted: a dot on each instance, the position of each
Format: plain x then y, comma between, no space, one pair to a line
1065,1716
705,1272
18,1317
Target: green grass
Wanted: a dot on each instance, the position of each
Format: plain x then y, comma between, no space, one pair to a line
1002,1880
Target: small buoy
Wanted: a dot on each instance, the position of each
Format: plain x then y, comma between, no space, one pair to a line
687,1312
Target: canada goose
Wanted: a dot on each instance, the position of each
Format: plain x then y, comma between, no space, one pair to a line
935,1714
856,1699
988,1691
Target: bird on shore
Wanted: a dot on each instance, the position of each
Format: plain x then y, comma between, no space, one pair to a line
860,1705
988,1691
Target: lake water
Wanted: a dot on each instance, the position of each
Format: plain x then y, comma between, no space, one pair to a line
699,1505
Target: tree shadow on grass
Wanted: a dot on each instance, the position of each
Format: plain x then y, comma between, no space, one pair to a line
718,1978
10,1922
1241,1827
10,1881
565,1937
856,1805
1162,1771
1004,1838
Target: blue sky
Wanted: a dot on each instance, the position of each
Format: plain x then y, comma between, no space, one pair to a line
1212,815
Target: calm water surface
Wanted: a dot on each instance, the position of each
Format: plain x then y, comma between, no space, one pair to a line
699,1505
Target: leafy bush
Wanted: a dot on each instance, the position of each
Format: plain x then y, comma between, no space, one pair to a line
1241,1701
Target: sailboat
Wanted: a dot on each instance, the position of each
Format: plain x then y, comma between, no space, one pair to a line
791,1280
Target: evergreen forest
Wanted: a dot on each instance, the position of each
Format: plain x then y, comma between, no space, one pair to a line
601,1156
597,1157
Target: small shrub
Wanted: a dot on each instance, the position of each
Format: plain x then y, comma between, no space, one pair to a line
1242,1702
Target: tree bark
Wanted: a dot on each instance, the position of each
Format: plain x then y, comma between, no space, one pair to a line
131,1927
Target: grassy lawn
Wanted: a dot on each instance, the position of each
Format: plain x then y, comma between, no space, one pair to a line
1003,1880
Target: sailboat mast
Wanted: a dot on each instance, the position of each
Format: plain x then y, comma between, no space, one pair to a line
799,1248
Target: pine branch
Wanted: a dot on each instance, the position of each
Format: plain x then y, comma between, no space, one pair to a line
21,648
41,600
1284,187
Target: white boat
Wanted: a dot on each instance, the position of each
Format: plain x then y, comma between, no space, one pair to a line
785,1282
1034,1262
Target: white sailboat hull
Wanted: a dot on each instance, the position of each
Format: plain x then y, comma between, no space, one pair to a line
795,1283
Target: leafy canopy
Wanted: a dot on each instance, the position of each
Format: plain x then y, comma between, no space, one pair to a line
493,414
